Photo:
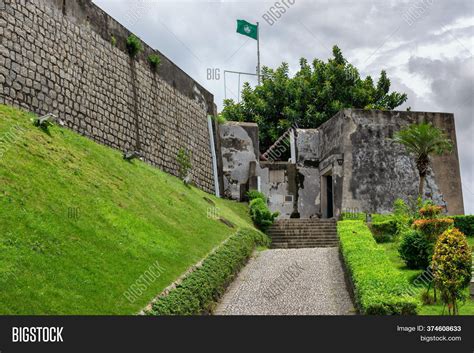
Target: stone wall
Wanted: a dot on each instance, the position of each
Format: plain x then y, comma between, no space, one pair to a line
57,56
377,170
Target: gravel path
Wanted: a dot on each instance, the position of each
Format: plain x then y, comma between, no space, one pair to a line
289,282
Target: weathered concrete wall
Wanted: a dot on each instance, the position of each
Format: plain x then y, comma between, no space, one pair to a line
368,170
239,147
377,170
309,180
279,184
56,56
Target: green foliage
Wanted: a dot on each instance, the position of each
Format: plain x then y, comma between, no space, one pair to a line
452,266
254,194
415,250
154,61
220,118
380,288
184,163
465,224
131,215
312,96
422,141
384,231
433,228
260,214
113,41
360,216
134,45
201,289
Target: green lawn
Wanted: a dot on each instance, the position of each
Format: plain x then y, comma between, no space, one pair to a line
392,251
130,215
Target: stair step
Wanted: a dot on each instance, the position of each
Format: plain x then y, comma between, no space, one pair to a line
303,233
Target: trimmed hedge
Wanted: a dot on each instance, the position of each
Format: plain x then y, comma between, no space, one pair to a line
199,290
380,289
384,231
465,224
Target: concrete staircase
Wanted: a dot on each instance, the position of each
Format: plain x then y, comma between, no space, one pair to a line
304,233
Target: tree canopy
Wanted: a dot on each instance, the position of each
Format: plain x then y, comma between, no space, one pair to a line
309,98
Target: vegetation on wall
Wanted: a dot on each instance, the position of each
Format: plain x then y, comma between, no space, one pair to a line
184,163
199,290
134,45
154,61
309,98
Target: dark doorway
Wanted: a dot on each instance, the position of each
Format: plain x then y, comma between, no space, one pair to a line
329,208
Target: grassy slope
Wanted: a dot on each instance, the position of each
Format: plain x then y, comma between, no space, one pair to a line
130,216
392,251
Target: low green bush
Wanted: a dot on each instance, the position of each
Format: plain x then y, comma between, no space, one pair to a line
465,224
415,249
360,216
254,194
384,231
379,287
260,214
378,218
200,290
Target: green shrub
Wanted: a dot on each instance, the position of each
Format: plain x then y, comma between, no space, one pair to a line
378,218
254,194
384,231
261,216
415,250
360,216
379,288
154,61
134,45
113,41
184,163
383,238
465,224
432,228
220,118
200,290
452,266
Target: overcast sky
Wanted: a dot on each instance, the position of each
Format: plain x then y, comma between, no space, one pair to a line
425,46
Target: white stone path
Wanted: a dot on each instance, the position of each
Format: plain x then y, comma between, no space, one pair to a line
289,282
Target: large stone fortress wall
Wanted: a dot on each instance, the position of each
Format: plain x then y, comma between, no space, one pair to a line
57,56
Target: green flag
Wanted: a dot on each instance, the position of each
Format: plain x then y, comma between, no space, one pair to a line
247,29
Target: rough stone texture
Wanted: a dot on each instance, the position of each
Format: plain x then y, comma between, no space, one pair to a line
377,170
369,171
56,56
279,184
239,147
314,285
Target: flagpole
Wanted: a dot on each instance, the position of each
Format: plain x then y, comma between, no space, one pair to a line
258,53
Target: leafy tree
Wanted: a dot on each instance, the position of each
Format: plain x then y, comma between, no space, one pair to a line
452,267
309,98
423,140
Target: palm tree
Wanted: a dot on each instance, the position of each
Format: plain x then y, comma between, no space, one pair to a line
422,141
